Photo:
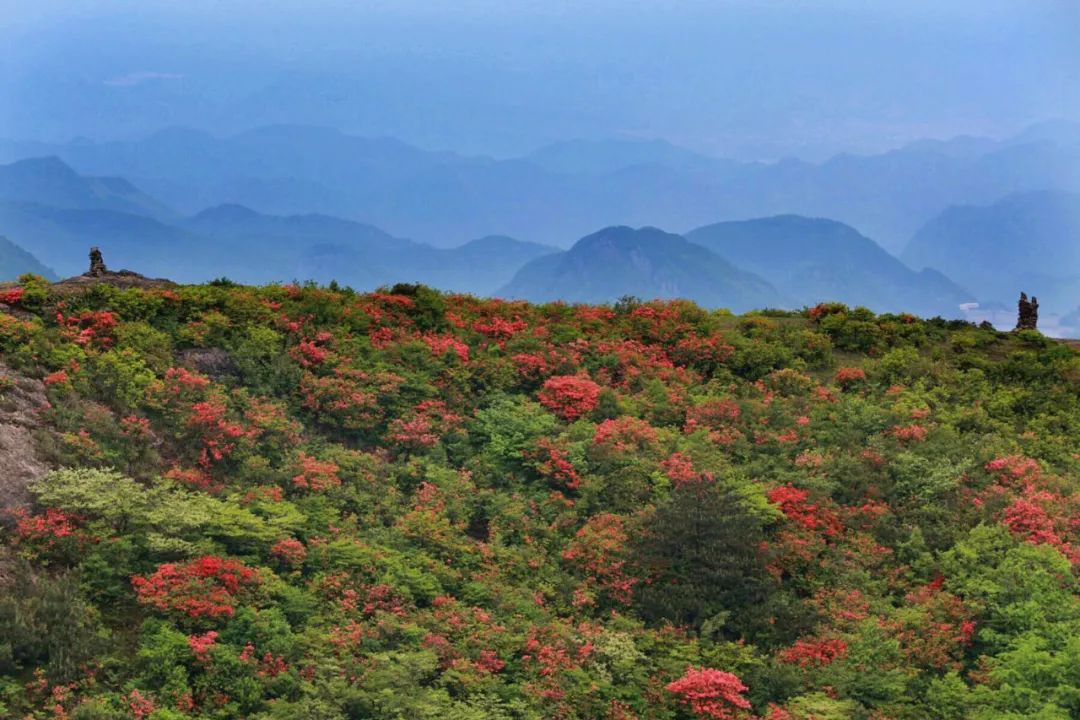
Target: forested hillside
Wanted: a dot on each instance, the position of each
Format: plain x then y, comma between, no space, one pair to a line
300,502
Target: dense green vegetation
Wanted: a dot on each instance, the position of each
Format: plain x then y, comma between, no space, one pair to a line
296,502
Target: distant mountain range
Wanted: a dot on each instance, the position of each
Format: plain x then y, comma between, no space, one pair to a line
14,261
566,190
967,253
52,181
61,237
1028,241
324,248
58,214
814,260
646,262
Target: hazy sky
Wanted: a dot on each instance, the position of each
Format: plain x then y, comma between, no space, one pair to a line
751,79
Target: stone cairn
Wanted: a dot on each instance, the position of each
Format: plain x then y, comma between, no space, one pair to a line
1028,313
97,263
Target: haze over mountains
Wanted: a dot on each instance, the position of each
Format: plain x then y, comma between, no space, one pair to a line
562,192
813,258
283,203
620,261
14,261
1028,240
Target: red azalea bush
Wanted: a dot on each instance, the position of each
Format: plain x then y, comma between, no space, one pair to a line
625,434
711,694
208,586
807,653
12,296
849,377
315,475
290,551
569,396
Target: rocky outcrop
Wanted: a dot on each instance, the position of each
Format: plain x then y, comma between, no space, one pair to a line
100,274
215,363
21,399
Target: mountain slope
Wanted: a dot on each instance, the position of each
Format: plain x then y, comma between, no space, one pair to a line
324,248
478,267
811,260
648,263
14,261
50,181
1027,242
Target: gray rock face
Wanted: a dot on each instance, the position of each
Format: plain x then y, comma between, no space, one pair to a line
21,398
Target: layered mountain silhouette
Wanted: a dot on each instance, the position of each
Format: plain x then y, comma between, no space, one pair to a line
606,156
811,260
61,237
14,261
1028,241
323,248
58,214
566,190
50,181
646,262
1025,241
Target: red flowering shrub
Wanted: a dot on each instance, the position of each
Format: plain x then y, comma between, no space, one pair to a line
935,629
625,434
290,551
269,665
680,468
53,534
600,550
53,523
551,461
57,378
569,396
348,398
430,420
1044,518
88,327
136,427
442,344
500,328
704,353
194,478
910,433
532,366
181,383
712,694
205,587
12,296
550,653
313,474
849,377
200,644
310,352
217,434
712,414
1014,467
793,503
489,662
141,707
807,653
